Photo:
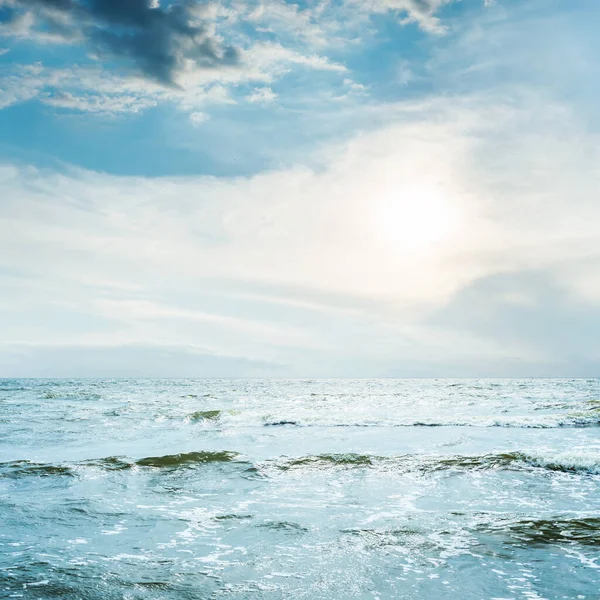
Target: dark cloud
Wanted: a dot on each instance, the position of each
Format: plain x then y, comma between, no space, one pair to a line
157,40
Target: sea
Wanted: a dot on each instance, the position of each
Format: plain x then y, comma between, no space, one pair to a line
300,489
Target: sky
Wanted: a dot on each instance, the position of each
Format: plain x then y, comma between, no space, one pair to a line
321,188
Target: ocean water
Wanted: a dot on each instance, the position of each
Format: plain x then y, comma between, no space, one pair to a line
337,489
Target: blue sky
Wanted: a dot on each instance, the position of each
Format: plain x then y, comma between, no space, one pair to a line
321,188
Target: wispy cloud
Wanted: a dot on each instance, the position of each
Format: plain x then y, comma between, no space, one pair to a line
197,118
422,12
95,90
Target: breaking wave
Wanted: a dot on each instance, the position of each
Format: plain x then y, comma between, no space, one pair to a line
572,462
23,468
587,418
581,462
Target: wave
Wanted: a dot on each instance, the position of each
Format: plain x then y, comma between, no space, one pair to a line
583,462
285,526
400,464
589,417
541,532
110,463
204,415
513,531
572,462
328,460
566,462
187,459
372,539
23,468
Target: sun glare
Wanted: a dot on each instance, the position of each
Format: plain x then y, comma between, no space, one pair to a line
415,218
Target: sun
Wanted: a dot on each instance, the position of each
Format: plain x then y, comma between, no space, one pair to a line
415,217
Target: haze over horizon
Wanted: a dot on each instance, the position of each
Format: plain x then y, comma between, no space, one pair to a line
326,188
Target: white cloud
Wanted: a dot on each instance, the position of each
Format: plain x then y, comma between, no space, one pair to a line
272,59
358,87
277,16
422,12
354,90
404,73
90,89
197,118
102,104
262,95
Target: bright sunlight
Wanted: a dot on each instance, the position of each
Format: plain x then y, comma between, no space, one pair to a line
415,217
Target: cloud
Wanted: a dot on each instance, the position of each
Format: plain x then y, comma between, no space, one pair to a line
262,95
174,51
354,90
422,12
534,310
197,118
98,104
266,55
290,267
280,17
356,87
323,24
97,90
175,46
141,54
159,42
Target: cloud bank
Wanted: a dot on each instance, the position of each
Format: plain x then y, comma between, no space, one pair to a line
289,268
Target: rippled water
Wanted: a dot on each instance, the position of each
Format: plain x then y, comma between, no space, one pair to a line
300,489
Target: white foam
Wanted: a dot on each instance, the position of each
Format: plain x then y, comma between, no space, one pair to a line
304,417
575,460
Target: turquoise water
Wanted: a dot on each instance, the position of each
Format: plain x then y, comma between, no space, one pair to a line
459,489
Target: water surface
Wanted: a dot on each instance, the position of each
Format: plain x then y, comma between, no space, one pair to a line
458,489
